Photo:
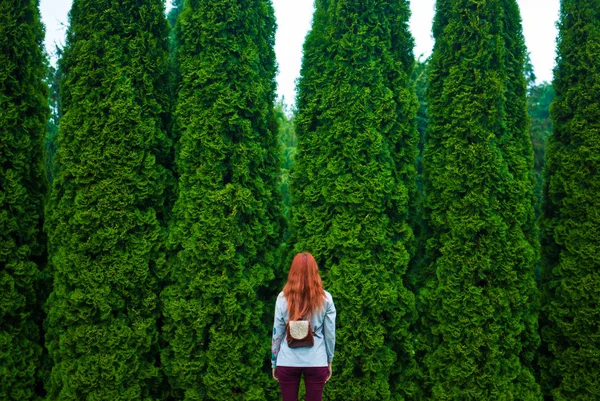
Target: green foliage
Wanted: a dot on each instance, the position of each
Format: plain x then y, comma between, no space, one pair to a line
287,143
420,81
517,152
108,201
227,224
53,80
540,97
477,327
176,9
172,16
571,244
530,77
351,182
23,115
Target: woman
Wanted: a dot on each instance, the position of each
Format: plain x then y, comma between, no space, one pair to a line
303,298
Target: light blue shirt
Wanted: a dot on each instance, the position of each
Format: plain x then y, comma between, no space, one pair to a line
323,325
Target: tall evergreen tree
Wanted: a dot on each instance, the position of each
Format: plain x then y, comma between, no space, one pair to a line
517,152
420,81
227,224
351,182
477,329
107,202
571,244
23,115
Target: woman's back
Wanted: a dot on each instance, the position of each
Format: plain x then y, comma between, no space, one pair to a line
323,326
303,298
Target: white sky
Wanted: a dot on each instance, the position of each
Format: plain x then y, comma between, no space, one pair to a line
294,20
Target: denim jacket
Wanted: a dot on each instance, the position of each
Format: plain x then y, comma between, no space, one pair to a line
323,325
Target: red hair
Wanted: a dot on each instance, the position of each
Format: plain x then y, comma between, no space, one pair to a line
304,289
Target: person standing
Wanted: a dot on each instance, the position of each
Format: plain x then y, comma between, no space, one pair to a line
303,299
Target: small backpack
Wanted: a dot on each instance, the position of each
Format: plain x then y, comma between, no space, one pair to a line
299,334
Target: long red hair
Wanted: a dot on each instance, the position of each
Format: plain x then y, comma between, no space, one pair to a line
304,289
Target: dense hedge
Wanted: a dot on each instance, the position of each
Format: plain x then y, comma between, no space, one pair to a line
23,114
141,312
476,295
351,181
520,204
107,201
227,224
571,244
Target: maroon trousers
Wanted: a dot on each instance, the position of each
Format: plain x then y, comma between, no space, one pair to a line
289,382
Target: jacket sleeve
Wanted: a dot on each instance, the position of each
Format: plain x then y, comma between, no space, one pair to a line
278,333
329,329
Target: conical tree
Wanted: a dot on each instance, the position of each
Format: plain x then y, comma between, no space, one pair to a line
477,327
23,114
571,245
517,152
353,175
107,202
227,222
